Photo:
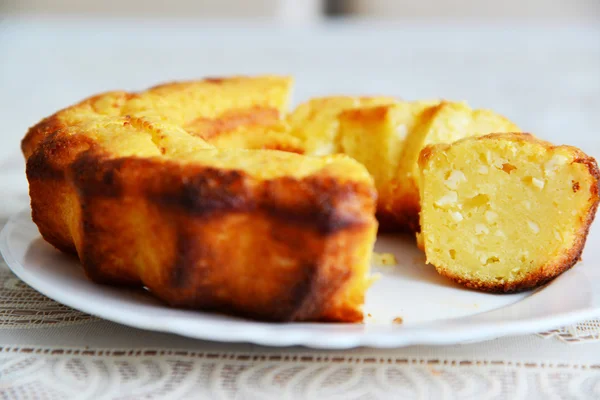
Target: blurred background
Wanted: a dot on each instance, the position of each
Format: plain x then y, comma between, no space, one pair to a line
307,11
535,61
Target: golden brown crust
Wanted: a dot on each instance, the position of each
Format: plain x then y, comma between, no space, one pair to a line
279,249
399,214
236,126
207,128
548,272
180,208
366,114
428,151
54,124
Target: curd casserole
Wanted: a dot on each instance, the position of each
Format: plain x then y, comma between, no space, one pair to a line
386,136
213,196
505,212
152,190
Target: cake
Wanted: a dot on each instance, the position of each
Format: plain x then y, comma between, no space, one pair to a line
377,136
386,136
181,189
315,122
388,139
505,212
213,197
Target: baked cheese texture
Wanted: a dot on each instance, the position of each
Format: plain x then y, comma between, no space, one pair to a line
182,189
315,122
388,139
386,135
505,212
213,196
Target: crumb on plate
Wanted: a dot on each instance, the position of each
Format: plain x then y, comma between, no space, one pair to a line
384,259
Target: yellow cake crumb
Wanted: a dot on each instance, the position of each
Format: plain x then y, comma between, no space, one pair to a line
383,259
515,227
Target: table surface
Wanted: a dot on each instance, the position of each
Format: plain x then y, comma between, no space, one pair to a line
547,78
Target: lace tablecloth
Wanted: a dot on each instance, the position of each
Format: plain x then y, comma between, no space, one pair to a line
546,79
50,351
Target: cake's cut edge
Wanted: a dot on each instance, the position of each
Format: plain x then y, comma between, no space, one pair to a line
544,273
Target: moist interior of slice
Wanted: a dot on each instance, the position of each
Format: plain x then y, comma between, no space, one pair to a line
502,208
445,122
387,139
375,136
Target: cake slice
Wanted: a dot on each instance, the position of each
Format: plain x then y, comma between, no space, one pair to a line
315,122
505,212
443,123
376,137
387,139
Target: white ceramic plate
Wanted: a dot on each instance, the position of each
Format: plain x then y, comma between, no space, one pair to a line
434,310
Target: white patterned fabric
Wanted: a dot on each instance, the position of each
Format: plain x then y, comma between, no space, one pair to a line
23,307
588,331
48,373
49,351
547,79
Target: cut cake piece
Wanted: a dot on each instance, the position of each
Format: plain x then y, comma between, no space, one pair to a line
505,212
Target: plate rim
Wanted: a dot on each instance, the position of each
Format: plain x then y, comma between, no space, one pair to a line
451,331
